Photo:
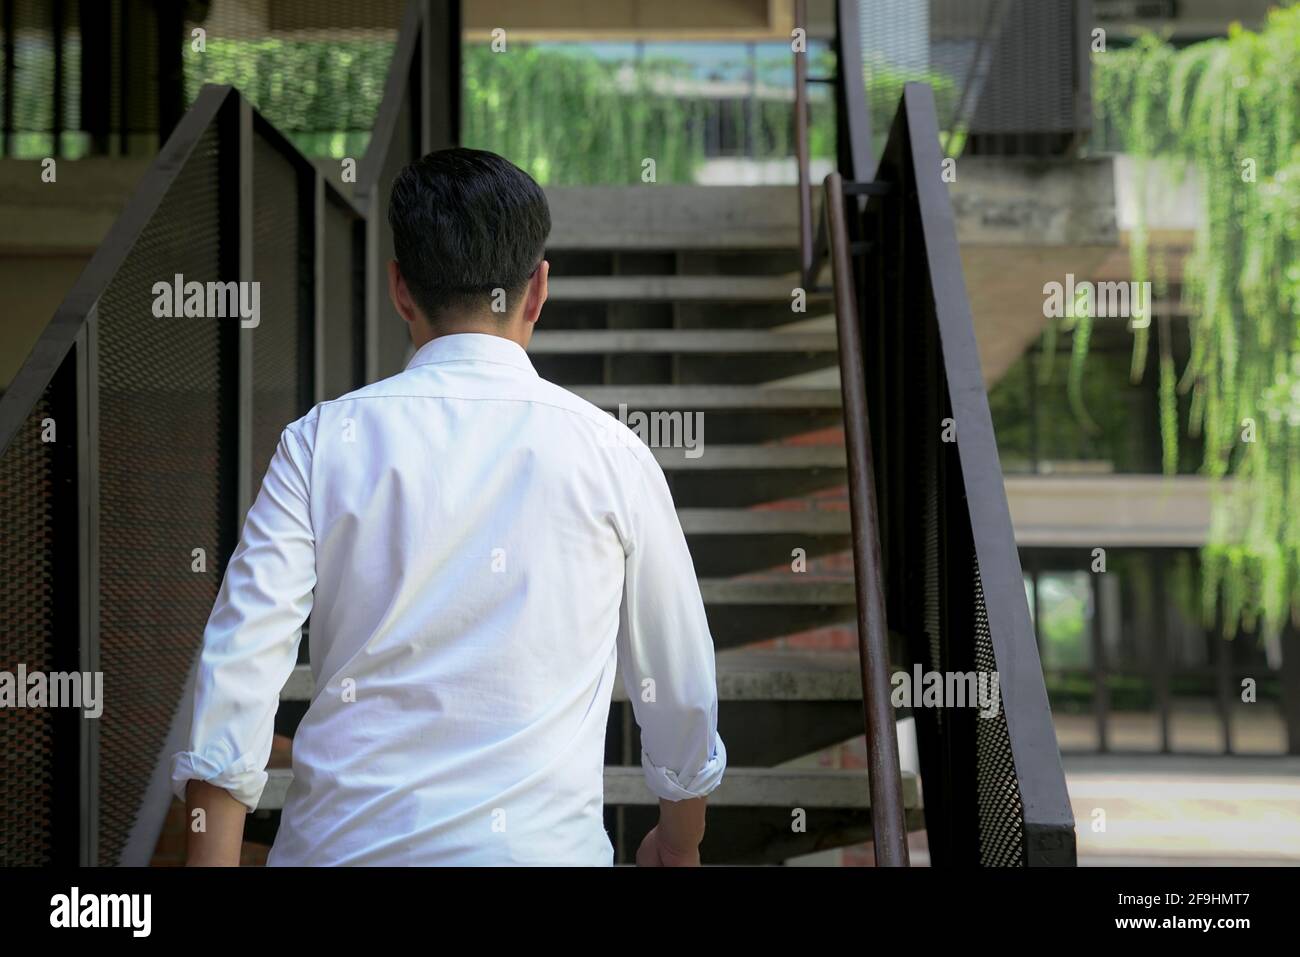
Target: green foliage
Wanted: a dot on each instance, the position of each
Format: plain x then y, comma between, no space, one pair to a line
1231,107
571,119
323,95
885,84
564,115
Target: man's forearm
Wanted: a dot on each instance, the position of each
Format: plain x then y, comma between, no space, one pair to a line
681,823
217,833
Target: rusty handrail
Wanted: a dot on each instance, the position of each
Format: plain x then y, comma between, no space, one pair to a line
853,127
830,240
887,814
806,266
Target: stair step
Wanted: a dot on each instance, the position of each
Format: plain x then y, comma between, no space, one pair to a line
752,458
740,787
706,397
742,676
670,216
724,341
798,591
725,542
787,676
674,289
738,521
745,611
766,787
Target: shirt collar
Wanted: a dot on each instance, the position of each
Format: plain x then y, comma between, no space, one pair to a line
472,347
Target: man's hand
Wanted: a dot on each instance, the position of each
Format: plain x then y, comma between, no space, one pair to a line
218,842
655,852
675,840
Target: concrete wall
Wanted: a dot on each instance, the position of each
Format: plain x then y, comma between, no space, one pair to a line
522,19
54,229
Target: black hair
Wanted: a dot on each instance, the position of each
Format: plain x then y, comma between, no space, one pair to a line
466,222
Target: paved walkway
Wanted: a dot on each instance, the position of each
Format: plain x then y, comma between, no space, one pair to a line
1172,810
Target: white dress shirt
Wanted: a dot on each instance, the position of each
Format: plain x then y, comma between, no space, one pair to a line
477,549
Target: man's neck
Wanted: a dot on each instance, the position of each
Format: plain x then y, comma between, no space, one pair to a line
514,330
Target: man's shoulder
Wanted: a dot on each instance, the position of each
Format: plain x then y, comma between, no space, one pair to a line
608,430
304,427
583,418
547,392
389,387
394,386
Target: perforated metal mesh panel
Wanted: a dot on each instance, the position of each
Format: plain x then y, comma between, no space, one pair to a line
277,339
27,598
955,637
1001,809
161,488
923,368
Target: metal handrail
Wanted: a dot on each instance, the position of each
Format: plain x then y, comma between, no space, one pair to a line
831,239
853,119
807,254
888,817
956,599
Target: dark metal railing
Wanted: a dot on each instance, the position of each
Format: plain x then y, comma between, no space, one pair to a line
935,558
420,112
130,444
801,124
888,814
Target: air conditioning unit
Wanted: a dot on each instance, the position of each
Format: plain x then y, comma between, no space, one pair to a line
1119,11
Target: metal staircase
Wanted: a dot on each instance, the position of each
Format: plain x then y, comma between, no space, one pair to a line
677,318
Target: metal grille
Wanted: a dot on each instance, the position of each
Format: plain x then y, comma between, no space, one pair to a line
316,70
46,42
277,357
161,487
86,77
1008,75
135,67
1033,74
1001,809
27,598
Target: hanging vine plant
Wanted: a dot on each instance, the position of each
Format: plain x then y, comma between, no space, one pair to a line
1229,109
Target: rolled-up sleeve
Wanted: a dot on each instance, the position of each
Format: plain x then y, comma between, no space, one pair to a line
666,651
251,641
